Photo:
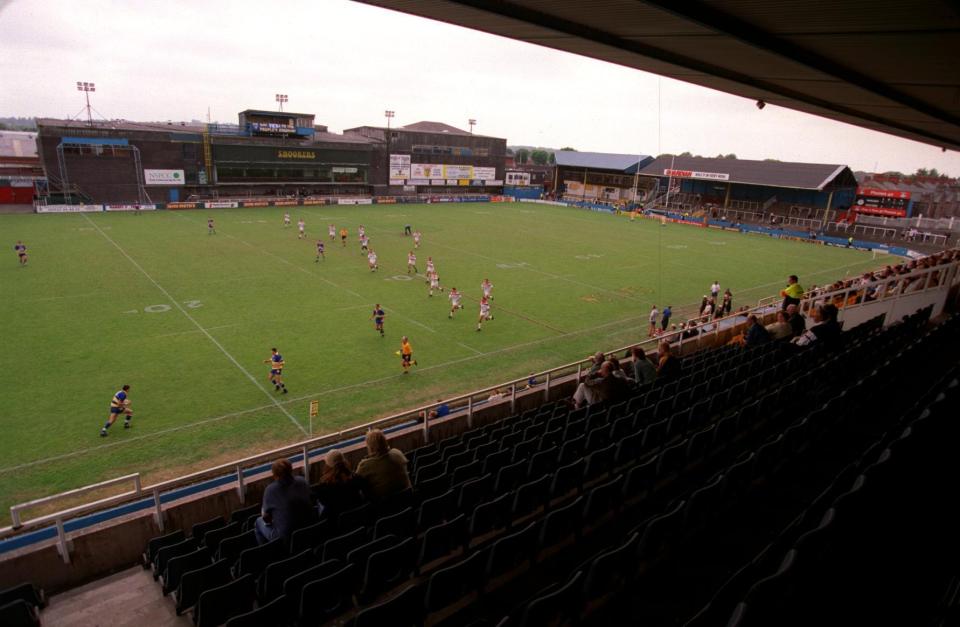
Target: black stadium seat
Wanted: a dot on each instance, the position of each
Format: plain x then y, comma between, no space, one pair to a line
272,613
324,598
193,583
404,609
182,564
213,537
270,584
217,605
19,613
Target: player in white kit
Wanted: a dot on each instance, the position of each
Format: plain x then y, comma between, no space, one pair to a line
361,231
484,312
332,231
301,226
487,288
372,261
416,239
435,283
286,219
412,263
454,297
430,268
364,244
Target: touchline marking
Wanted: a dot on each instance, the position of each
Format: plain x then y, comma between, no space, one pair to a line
197,324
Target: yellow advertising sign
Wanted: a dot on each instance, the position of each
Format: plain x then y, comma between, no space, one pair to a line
314,408
296,154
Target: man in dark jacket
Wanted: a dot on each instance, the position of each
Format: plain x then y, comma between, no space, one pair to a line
756,333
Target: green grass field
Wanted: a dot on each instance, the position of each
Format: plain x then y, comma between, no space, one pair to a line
186,319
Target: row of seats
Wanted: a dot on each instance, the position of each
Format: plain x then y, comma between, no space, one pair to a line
20,605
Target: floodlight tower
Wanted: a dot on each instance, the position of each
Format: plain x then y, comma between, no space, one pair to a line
472,123
282,98
389,115
86,88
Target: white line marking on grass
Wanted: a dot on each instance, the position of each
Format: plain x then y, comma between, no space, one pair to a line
49,298
222,326
198,325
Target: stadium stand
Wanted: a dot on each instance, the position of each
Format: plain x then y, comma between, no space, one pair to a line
628,501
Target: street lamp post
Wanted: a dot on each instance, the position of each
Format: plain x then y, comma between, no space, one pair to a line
282,98
472,123
86,88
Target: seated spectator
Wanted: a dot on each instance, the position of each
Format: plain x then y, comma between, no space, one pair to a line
496,395
643,371
668,366
826,329
596,361
616,368
756,334
531,381
797,322
781,328
689,329
286,504
600,387
339,487
384,469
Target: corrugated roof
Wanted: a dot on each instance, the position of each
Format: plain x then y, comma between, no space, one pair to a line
601,160
748,172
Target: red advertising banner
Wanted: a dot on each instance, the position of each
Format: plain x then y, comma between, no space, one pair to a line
882,193
888,212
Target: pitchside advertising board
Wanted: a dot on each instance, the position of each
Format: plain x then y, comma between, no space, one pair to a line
882,202
163,177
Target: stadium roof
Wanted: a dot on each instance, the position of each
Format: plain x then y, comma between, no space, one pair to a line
601,160
276,114
880,64
814,176
434,127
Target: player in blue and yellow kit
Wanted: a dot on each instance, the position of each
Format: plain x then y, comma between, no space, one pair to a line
320,249
276,370
377,316
119,404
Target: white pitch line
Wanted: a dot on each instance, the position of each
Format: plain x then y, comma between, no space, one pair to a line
198,325
222,326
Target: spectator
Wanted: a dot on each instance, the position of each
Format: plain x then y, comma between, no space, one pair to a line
756,334
781,328
703,304
792,292
496,395
384,469
531,381
665,317
825,330
689,329
440,411
339,487
643,371
668,367
286,504
600,387
715,290
727,305
797,322
596,361
707,311
653,321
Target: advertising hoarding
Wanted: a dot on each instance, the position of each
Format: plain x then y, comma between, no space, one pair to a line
163,177
693,174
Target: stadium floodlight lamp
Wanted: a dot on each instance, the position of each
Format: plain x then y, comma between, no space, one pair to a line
282,98
472,123
85,86
389,113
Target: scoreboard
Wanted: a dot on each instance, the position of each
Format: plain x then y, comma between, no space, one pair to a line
882,202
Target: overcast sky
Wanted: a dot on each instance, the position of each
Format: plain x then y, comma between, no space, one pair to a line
347,62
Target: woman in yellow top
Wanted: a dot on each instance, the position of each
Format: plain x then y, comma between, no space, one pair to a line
406,354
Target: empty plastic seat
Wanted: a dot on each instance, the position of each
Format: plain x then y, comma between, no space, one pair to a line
491,515
672,460
253,560
608,572
242,514
401,524
324,598
270,584
543,462
703,503
357,517
530,497
388,567
574,429
404,609
510,552
213,537
442,540
311,536
19,613
338,547
181,564
568,478
602,501
230,548
629,448
639,480
561,524
293,585
433,487
654,435
28,592
193,583
474,492
217,605
700,444
198,530
523,450
155,544
358,556
273,613
661,532
598,437
599,462
556,606
510,476
460,459
454,583
169,552
436,509
467,472
572,449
